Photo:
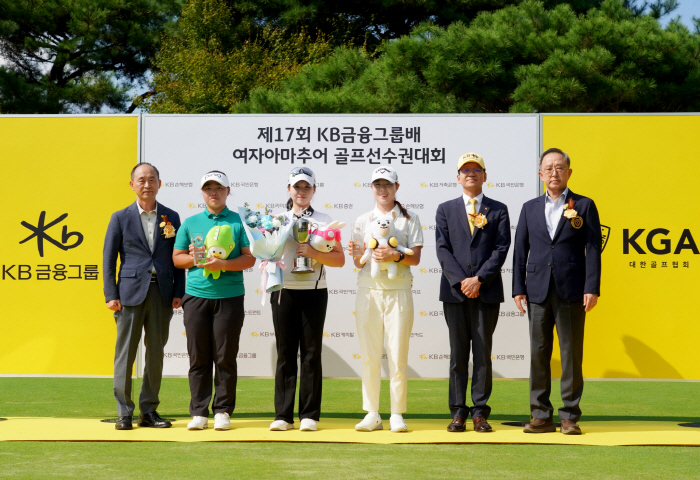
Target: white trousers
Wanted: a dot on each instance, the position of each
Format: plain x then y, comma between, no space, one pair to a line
384,319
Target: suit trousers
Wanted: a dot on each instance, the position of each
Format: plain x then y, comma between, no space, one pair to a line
384,318
298,318
471,325
153,316
213,328
569,319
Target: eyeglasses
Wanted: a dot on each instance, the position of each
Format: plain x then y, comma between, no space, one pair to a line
301,171
550,170
466,171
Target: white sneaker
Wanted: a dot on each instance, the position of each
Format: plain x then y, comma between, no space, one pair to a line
281,425
397,423
198,423
372,421
221,421
308,425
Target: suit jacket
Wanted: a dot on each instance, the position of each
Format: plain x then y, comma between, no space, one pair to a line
462,255
573,256
125,239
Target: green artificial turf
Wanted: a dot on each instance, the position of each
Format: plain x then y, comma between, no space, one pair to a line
74,397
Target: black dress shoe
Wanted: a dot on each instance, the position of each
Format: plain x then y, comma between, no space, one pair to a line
457,425
124,423
153,420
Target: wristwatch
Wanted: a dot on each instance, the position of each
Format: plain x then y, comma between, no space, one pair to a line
480,278
401,257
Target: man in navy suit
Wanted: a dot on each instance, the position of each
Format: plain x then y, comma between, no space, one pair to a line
472,239
556,271
144,293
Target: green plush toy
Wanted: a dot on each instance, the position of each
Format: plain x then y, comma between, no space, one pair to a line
219,243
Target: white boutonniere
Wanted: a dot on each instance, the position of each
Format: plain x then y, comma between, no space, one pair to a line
479,220
571,214
168,229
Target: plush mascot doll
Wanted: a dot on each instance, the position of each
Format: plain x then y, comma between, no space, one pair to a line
324,239
219,243
382,230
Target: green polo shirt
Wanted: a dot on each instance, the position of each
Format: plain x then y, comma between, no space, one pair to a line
229,284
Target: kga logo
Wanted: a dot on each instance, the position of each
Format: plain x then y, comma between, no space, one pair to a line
605,232
40,234
686,242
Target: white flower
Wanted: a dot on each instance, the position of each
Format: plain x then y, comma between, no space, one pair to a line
252,219
570,213
276,223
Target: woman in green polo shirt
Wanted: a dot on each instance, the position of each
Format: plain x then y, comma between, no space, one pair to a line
213,306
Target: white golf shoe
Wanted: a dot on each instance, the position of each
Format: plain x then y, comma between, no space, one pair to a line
198,423
371,422
222,422
308,425
281,425
397,423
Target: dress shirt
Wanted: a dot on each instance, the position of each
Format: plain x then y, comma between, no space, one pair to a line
553,211
477,206
148,222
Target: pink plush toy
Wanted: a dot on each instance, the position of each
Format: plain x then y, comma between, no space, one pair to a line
323,239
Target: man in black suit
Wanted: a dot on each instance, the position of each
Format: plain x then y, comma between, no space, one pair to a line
472,241
144,293
556,270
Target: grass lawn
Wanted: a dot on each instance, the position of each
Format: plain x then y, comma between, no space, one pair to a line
68,397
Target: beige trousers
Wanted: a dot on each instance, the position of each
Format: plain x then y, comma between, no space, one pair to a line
384,319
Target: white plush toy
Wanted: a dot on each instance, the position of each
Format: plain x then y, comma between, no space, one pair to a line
382,230
324,239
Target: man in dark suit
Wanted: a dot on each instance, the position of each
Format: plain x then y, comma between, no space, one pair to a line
144,293
556,270
472,239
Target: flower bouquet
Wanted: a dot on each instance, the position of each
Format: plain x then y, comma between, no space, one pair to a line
267,234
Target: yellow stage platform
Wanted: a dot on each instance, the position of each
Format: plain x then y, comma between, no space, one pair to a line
341,430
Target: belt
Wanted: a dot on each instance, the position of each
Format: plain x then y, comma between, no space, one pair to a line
154,279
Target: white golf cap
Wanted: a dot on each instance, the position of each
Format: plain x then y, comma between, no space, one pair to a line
302,173
387,173
218,177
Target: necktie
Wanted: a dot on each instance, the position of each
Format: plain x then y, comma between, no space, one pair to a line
472,212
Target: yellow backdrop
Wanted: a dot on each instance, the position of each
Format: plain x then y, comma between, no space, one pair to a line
70,165
642,172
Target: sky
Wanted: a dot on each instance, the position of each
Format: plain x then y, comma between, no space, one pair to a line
686,10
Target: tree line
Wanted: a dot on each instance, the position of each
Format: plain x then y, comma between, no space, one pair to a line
351,56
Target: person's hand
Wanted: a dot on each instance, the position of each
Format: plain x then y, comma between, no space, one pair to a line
177,302
306,250
114,305
192,249
520,302
385,253
590,300
470,286
212,264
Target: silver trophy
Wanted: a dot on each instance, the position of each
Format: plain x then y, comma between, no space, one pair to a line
300,234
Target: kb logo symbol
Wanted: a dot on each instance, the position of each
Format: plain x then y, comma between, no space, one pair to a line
40,234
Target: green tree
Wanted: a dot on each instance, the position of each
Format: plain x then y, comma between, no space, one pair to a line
212,63
523,58
63,56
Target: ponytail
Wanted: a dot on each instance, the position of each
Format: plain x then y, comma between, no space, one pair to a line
403,211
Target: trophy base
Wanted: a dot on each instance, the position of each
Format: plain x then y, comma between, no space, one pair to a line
303,265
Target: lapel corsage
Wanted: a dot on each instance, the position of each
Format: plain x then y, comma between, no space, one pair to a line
571,214
479,220
168,229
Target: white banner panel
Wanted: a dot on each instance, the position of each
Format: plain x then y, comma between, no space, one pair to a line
257,152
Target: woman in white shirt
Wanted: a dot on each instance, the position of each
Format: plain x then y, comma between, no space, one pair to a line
384,306
299,312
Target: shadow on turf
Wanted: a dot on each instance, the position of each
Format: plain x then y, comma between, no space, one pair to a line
495,417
